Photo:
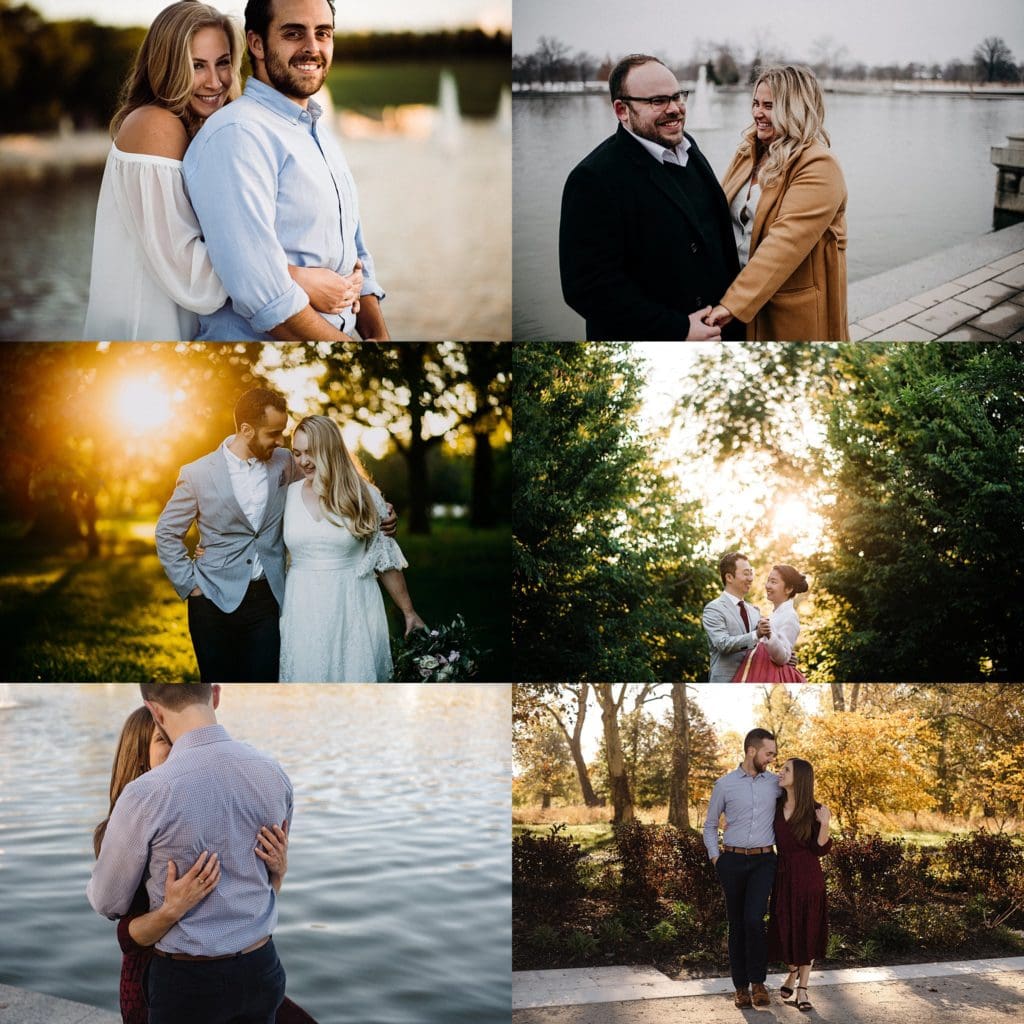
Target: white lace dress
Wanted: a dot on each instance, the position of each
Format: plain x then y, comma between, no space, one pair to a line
333,625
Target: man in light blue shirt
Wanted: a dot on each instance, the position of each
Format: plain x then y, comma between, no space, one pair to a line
746,863
271,188
212,794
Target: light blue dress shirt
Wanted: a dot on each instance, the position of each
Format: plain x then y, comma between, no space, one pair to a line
749,806
271,189
214,794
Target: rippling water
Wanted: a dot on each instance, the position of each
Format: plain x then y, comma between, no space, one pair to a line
397,905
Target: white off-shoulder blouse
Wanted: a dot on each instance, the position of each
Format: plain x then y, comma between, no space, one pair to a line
151,274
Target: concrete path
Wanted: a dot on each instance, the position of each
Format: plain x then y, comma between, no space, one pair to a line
973,292
967,992
19,1006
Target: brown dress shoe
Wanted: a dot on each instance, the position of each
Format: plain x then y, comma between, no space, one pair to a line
761,997
742,998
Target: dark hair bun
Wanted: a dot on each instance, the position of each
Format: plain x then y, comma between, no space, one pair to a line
792,579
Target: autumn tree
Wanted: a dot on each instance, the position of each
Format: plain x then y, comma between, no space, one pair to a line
543,756
610,703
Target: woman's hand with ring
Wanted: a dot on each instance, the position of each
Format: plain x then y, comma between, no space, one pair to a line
182,894
272,849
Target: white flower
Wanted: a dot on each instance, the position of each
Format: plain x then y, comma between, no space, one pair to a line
427,663
453,656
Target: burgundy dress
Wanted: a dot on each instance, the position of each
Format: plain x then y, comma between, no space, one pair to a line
798,921
133,964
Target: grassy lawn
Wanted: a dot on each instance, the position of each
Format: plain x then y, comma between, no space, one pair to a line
591,838
116,618
370,87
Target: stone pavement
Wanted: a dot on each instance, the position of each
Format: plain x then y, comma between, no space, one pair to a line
19,1006
972,292
967,992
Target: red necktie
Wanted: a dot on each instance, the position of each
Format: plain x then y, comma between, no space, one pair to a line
743,615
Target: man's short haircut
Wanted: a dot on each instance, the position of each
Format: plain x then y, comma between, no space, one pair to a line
251,408
175,696
755,738
727,564
617,79
258,14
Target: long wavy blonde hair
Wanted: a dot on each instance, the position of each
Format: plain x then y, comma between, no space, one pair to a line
339,481
798,115
162,72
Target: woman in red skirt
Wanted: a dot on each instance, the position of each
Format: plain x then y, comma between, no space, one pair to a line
798,921
768,660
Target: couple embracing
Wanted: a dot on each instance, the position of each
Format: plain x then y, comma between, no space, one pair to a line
260,510
190,862
769,860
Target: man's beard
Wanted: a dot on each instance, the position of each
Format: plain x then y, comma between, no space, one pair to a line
289,82
261,452
650,132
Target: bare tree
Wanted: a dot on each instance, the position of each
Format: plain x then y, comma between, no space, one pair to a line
679,780
579,696
994,61
618,781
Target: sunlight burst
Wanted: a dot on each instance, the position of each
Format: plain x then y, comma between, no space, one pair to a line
142,402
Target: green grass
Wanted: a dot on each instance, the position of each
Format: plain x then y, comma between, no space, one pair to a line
115,618
590,838
369,87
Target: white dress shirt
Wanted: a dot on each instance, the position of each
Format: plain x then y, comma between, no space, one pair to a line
664,154
249,482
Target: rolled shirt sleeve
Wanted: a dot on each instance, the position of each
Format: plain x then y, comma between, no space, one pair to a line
715,807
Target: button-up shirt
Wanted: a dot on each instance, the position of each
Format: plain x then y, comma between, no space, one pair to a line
270,190
249,482
212,793
749,805
664,154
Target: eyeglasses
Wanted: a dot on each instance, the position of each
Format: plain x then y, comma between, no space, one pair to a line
658,102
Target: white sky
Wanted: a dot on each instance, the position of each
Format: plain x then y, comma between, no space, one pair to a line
872,31
393,15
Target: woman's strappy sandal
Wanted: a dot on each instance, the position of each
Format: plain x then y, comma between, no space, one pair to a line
803,1005
786,991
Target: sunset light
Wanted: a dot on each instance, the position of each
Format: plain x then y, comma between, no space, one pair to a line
142,403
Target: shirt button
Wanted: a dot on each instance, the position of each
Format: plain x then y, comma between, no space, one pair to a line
693,247
248,561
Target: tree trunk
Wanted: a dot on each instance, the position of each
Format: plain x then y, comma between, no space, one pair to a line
679,781
575,741
481,502
838,698
622,800
545,801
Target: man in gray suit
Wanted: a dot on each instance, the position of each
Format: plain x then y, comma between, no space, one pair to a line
733,625
236,496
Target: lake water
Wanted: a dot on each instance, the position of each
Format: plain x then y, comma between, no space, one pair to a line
446,270
917,170
397,904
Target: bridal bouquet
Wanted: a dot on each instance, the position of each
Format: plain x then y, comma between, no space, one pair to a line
441,655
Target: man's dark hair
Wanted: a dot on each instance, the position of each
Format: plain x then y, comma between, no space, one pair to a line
258,14
755,738
175,696
617,79
251,408
727,564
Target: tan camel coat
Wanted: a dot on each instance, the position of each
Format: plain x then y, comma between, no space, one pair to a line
794,286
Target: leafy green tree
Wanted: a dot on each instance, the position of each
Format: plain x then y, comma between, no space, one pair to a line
547,771
926,460
606,580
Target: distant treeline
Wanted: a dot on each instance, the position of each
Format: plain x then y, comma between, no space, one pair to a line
70,72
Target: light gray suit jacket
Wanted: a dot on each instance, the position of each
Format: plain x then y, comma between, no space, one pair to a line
204,495
728,639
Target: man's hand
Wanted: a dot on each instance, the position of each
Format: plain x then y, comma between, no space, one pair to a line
714,860
195,592
330,292
700,330
764,627
389,524
370,324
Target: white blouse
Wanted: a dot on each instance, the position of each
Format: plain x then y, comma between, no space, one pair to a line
151,273
785,625
743,210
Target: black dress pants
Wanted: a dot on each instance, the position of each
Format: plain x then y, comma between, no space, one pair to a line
242,646
747,882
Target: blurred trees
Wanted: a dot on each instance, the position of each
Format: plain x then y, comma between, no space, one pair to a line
543,756
607,581
994,62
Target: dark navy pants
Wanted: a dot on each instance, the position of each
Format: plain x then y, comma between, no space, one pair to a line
242,646
245,989
747,882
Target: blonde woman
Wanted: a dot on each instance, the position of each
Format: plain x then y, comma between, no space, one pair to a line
333,624
151,274
787,197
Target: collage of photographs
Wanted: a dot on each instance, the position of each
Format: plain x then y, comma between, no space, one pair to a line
515,512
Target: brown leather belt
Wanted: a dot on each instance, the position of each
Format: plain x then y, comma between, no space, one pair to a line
749,853
224,956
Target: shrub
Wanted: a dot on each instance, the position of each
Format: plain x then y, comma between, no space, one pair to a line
581,945
544,937
650,867
696,881
663,933
937,926
546,867
613,932
867,878
990,867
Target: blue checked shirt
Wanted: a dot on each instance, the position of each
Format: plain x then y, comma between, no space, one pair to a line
749,806
214,794
271,188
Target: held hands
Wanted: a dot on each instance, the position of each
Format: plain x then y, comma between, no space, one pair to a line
182,894
330,292
764,627
274,852
719,317
700,329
